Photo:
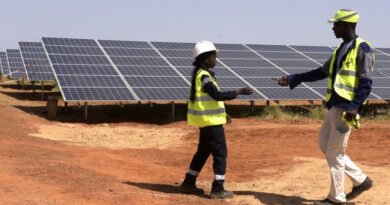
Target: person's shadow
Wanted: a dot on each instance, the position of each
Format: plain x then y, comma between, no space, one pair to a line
164,188
265,198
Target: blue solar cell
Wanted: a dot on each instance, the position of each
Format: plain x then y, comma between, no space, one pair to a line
70,42
247,63
382,92
281,55
97,94
36,61
237,54
295,63
173,45
319,56
131,52
259,47
262,82
123,44
158,82
385,50
162,93
86,51
181,61
313,48
147,70
381,82
382,57
177,53
258,72
84,69
79,60
15,62
90,81
285,93
4,63
231,47
145,61
382,64
230,82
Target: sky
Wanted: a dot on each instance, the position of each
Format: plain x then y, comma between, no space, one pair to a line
292,22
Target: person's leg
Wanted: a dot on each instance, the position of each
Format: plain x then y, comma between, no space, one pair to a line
219,152
354,172
324,133
336,154
197,163
202,153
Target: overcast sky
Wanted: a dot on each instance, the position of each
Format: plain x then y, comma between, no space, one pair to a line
293,22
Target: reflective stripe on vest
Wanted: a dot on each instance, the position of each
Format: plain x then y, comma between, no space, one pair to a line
204,110
347,79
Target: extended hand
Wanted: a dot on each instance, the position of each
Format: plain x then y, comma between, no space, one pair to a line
244,91
283,81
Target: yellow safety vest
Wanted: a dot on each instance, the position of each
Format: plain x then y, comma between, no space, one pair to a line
204,110
347,80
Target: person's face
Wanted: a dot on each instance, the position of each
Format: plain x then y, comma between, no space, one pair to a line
340,29
213,60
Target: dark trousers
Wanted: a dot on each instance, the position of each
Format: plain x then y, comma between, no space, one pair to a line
211,141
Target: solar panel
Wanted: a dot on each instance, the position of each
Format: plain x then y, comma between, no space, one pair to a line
83,71
145,70
285,59
385,50
323,49
299,93
4,63
36,61
15,62
256,47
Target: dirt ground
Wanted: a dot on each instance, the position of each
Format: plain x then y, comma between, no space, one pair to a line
131,162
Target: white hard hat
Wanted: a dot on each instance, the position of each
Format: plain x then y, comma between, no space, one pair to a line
203,47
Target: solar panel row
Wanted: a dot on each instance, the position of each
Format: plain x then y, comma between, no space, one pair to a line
111,70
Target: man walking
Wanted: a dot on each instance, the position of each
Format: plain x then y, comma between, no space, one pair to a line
349,72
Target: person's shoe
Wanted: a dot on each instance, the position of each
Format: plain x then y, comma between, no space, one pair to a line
328,202
191,189
223,194
357,190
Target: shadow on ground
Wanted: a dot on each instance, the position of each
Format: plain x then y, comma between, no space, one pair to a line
164,188
275,199
264,198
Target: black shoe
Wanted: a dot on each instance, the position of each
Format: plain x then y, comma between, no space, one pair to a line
190,189
223,194
357,190
328,202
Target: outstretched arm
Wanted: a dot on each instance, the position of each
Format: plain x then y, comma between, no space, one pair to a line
313,75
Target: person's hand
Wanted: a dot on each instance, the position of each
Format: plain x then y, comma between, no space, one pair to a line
282,81
350,115
244,91
228,119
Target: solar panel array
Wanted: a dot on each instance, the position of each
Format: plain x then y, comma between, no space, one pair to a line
36,61
381,82
112,70
15,63
4,63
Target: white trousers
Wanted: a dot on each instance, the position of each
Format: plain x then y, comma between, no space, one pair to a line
333,142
